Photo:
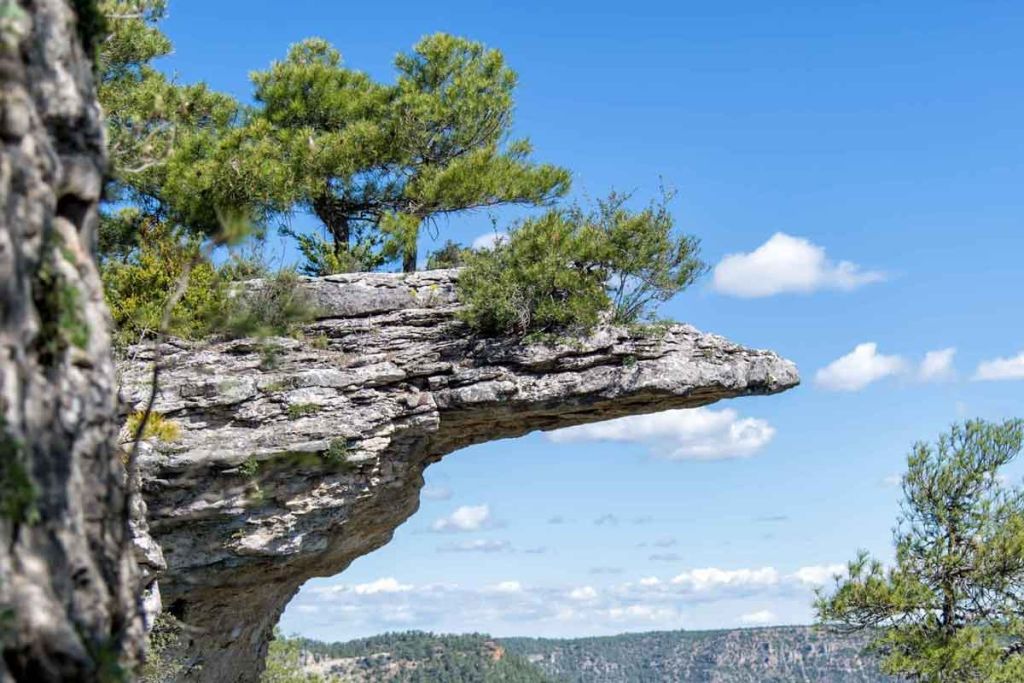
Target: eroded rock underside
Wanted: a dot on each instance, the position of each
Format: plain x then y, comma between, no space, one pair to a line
297,456
67,577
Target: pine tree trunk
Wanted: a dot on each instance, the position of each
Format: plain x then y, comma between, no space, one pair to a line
68,606
409,260
326,209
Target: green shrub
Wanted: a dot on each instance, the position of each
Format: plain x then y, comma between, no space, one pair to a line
250,468
325,258
165,659
542,279
561,272
278,306
17,491
157,427
647,261
451,255
337,451
137,288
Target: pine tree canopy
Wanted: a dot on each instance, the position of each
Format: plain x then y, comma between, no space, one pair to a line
375,163
951,607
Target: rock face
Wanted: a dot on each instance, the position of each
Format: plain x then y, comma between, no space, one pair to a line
67,576
296,457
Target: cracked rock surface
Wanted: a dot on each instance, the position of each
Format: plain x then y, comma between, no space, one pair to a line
297,456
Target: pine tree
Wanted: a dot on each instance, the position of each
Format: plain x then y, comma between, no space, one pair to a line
155,128
949,610
375,163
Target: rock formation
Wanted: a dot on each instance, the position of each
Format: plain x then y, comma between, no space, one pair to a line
286,459
67,577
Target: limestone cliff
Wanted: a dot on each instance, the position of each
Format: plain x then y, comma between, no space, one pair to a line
67,577
296,457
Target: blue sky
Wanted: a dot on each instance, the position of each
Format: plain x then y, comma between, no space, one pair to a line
882,142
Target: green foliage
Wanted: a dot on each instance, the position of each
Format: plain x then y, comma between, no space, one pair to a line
451,255
8,624
417,657
546,277
559,273
325,258
57,300
138,288
17,491
375,163
157,427
250,468
164,661
646,262
284,664
337,451
949,608
297,410
276,307
157,131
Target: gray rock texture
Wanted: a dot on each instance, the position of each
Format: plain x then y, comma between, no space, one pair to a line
67,574
297,456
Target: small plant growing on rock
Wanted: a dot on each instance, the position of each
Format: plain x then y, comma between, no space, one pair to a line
277,307
250,468
158,427
270,356
337,451
275,386
297,410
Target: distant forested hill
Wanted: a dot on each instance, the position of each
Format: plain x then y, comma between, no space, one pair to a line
417,657
776,655
766,655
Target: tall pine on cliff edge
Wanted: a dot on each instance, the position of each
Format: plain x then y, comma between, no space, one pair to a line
376,163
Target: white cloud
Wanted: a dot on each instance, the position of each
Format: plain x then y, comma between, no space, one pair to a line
488,240
937,365
859,368
696,598
475,546
818,575
465,518
689,434
508,587
787,264
433,492
758,618
583,593
1001,368
386,585
711,577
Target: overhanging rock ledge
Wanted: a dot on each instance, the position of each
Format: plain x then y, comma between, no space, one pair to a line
298,456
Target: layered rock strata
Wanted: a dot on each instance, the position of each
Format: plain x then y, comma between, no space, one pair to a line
296,456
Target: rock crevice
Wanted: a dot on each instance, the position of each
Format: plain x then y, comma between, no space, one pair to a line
297,456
